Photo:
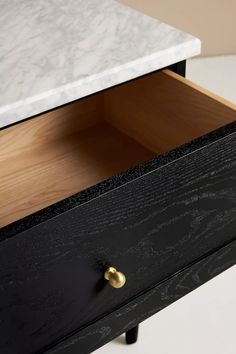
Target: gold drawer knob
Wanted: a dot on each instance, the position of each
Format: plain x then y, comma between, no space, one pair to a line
116,279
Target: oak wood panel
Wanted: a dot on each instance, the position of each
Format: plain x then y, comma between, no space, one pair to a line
45,170
52,274
200,89
50,127
164,110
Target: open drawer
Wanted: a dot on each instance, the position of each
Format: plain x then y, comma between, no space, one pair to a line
140,176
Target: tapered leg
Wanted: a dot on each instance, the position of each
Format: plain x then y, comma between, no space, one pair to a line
132,335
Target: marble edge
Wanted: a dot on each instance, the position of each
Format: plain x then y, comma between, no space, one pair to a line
45,101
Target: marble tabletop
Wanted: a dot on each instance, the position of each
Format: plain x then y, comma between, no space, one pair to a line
54,52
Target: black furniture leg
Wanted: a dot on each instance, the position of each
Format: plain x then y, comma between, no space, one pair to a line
131,336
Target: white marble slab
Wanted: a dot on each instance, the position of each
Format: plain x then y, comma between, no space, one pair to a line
53,52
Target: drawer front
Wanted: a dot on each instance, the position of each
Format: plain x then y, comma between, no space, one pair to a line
165,293
52,274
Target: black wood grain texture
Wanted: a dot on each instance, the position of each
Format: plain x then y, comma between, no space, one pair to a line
52,274
144,306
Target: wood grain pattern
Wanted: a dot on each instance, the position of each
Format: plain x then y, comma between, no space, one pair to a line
49,170
165,220
50,127
52,157
188,83
111,326
164,110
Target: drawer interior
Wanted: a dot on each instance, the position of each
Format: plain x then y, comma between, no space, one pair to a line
59,153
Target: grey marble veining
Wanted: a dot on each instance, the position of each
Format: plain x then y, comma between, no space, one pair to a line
53,52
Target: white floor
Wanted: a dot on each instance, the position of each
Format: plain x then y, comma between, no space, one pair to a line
203,322
217,74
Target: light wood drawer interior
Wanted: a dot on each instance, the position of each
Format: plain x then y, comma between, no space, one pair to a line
57,154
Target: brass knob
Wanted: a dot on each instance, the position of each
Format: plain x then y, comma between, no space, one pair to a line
116,279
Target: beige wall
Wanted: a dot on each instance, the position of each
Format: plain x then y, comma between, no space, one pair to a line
213,21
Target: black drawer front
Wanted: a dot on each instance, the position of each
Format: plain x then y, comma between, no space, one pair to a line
165,293
52,274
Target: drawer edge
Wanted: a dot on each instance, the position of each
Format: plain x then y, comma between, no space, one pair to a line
201,89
